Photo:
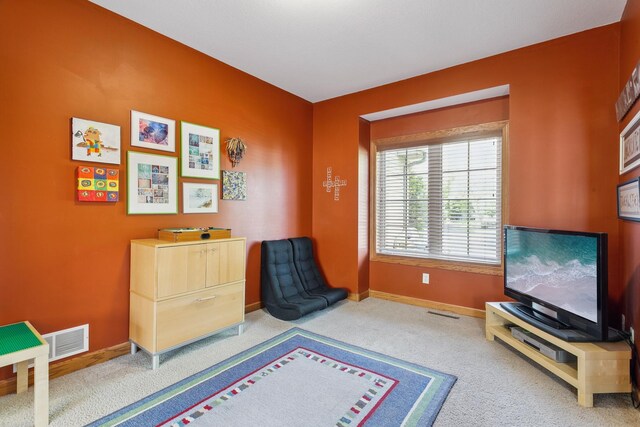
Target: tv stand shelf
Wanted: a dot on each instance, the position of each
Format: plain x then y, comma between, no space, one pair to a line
602,367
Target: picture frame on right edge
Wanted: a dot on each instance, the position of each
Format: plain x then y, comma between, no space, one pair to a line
630,145
629,200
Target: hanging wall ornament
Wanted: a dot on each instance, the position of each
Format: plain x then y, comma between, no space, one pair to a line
235,149
334,183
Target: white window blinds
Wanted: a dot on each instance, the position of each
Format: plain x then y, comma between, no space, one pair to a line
441,200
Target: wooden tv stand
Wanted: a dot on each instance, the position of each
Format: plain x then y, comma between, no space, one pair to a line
602,367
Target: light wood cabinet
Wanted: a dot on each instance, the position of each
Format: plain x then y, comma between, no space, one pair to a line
184,291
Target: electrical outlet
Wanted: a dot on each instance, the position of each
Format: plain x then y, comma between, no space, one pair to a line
425,278
633,335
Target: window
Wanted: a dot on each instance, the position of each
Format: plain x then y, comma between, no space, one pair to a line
440,198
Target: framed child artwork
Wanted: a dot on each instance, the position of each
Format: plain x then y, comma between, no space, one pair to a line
93,141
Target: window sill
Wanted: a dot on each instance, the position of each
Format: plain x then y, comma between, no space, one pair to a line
468,267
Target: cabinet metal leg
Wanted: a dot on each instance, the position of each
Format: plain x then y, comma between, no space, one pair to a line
240,329
134,348
155,361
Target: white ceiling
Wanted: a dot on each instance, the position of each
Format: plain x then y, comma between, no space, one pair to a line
320,49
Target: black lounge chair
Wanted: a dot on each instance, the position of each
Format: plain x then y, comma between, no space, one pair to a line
310,276
282,292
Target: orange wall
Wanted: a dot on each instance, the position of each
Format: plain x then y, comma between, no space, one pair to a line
64,263
402,279
630,231
562,168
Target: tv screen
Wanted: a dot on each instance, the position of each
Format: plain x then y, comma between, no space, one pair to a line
554,268
559,279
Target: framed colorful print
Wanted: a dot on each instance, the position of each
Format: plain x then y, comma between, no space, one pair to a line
629,200
200,151
152,184
98,184
93,141
199,198
630,145
234,185
153,132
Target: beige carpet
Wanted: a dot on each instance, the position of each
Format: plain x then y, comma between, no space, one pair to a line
495,386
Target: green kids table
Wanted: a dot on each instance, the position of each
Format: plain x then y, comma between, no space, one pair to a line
19,344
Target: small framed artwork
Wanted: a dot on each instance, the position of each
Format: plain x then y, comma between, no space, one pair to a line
629,200
234,185
200,151
152,184
93,141
199,198
630,145
153,132
98,184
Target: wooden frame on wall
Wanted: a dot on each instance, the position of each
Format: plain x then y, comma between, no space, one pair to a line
629,200
630,145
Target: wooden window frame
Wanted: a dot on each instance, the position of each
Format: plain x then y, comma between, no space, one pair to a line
425,138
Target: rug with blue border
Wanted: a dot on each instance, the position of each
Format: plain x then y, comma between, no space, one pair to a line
297,378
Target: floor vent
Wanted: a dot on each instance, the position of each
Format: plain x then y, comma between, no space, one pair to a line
66,343
451,316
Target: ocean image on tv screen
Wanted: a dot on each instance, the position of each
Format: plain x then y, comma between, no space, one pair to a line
560,269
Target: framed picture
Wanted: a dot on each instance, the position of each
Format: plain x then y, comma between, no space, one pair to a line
153,132
630,145
199,198
98,184
152,184
200,151
234,185
93,141
629,200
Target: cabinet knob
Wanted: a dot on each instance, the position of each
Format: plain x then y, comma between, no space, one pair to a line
205,299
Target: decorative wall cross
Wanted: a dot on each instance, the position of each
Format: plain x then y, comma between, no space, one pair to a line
334,183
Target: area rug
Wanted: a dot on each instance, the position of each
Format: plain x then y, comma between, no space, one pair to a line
297,378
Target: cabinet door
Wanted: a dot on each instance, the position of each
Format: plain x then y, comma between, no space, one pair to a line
181,269
213,264
225,262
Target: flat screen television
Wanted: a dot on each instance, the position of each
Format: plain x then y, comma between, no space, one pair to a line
559,279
